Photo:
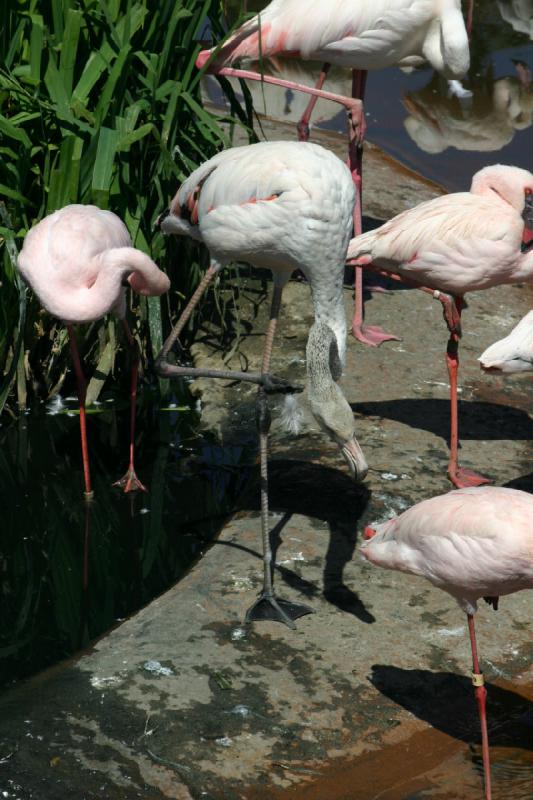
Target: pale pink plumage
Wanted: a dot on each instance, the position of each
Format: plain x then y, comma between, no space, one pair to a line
360,34
514,353
459,242
472,543
77,259
455,244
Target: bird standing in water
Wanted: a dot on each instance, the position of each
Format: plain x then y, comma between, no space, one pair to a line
471,543
78,261
454,244
360,35
282,206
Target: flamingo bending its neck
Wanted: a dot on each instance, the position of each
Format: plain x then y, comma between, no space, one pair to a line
360,35
78,261
283,206
454,244
471,543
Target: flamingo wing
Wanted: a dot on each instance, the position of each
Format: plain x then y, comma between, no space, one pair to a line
470,542
255,203
357,34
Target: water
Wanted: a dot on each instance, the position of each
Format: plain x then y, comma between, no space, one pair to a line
67,574
413,117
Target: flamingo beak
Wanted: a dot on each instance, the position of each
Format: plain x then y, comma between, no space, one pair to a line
368,533
353,454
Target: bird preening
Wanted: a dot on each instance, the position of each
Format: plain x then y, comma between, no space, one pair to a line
78,261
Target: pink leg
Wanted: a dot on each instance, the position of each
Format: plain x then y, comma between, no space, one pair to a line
82,391
481,697
470,18
303,125
354,106
371,335
459,476
130,482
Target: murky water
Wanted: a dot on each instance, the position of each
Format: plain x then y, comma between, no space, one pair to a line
68,574
414,116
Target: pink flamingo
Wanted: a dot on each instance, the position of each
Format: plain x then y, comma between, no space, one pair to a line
471,543
360,35
281,206
78,261
514,353
455,244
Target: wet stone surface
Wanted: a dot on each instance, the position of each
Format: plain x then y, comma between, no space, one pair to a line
370,693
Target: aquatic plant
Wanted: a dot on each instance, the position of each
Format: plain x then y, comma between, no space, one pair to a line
99,103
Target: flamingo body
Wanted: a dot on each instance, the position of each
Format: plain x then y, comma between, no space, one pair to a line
459,242
472,543
76,261
279,205
356,34
514,353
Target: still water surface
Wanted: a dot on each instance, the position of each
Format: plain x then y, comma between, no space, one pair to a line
68,573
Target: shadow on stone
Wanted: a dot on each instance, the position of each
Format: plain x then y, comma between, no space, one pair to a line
477,420
446,701
314,490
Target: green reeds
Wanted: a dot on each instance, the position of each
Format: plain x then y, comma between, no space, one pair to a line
99,103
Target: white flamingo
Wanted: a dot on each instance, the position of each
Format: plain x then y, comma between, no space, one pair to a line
361,35
283,206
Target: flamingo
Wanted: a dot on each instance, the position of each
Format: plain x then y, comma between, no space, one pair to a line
472,543
78,261
283,206
454,244
512,354
360,35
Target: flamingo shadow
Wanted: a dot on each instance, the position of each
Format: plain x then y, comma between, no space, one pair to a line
477,420
313,490
446,701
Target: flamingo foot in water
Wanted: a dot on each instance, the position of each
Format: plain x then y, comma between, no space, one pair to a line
130,482
268,606
464,478
372,335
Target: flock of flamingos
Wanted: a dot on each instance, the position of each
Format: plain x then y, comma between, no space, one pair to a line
294,205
